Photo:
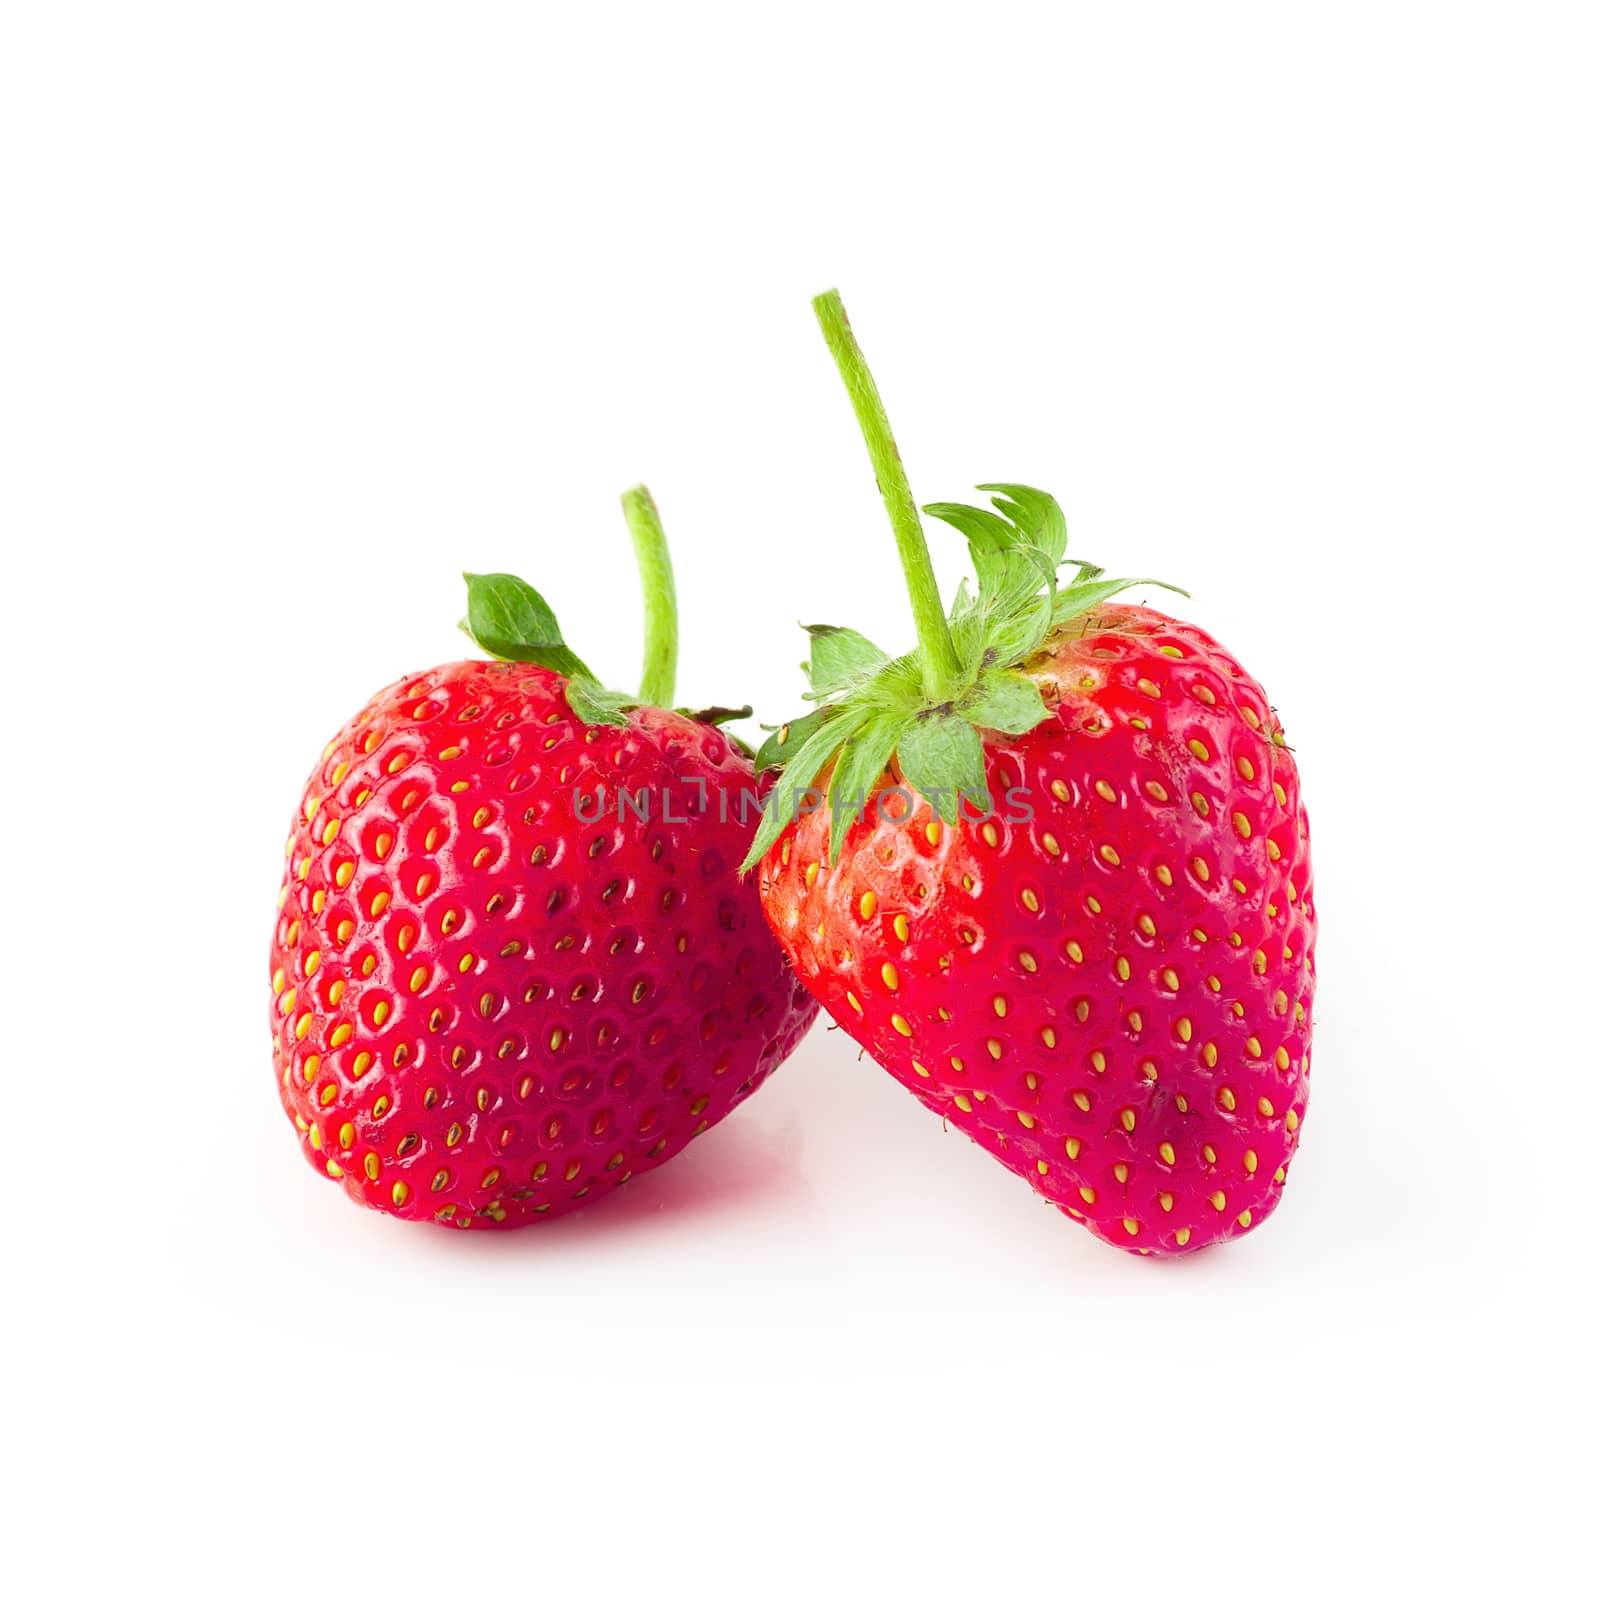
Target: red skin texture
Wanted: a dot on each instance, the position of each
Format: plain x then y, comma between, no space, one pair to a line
569,1002
1133,1029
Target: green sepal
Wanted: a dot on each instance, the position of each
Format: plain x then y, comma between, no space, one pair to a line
1006,702
1036,515
781,806
1079,597
788,739
512,621
840,657
593,705
941,756
856,774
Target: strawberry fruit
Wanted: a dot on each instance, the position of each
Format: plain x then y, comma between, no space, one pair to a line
502,987
1051,870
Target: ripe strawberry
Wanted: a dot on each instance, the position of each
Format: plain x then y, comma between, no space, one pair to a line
500,990
1074,913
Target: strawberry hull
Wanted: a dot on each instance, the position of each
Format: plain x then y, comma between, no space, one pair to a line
497,994
1107,983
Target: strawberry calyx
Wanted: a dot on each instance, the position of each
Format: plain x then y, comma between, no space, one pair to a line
511,621
926,710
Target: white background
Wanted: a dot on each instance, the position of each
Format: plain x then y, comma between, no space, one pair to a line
307,307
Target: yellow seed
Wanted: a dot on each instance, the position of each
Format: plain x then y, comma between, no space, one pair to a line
1127,1118
1208,1053
380,903
371,1166
1225,1099
303,1026
1281,1059
1080,1099
347,1136
1044,1168
932,832
1025,1118
1252,1047
1291,1121
957,1064
1250,1162
1166,1152
999,1005
1123,969
1181,1236
900,1024
1097,1060
1264,1106
1198,750
1104,789
1219,1200
1246,768
921,1071
1130,1224
995,1047
902,928
1164,876
811,874
1166,1200
1074,950
990,834
400,1193
1074,1146
1026,961
1051,844
1030,899
1048,1035
1087,1195
869,904
891,978
1244,1218
1120,1171
1184,1029
1110,856
855,1004
962,1103
1169,978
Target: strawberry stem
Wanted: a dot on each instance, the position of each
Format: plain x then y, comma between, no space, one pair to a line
660,673
940,667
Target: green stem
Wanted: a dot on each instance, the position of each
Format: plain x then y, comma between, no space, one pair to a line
660,597
940,667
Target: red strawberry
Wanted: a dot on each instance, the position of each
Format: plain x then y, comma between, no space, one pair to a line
500,989
1098,960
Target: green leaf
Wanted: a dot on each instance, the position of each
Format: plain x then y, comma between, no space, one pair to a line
592,704
1077,598
858,769
1006,702
790,738
782,804
941,755
840,657
512,621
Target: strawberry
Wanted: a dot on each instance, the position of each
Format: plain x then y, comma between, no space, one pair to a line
502,987
1054,874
